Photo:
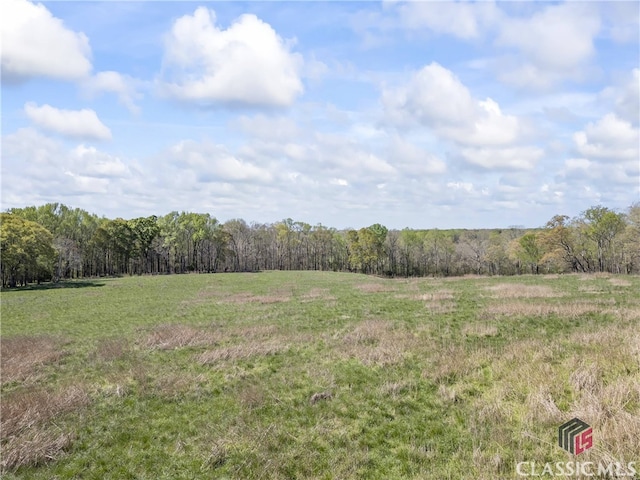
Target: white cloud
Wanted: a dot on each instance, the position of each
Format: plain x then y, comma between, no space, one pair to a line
555,44
436,99
517,158
339,156
268,127
123,86
610,139
608,167
87,185
35,43
413,160
433,96
611,182
558,37
72,123
622,21
210,163
527,75
490,126
341,182
466,186
624,95
246,64
97,164
460,19
38,169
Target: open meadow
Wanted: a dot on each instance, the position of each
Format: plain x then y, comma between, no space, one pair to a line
316,375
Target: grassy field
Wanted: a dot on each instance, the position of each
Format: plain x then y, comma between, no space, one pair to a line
316,375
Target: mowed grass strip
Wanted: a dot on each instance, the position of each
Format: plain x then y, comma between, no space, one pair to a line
316,375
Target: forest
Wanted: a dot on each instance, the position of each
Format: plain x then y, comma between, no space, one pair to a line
53,242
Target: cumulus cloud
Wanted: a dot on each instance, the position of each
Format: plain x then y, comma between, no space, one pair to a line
555,43
246,64
460,19
35,43
268,127
71,123
213,162
608,165
434,96
624,96
339,156
414,160
37,168
94,163
610,139
558,37
622,21
436,99
518,158
123,86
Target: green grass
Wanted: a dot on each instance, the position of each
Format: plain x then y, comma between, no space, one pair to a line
316,375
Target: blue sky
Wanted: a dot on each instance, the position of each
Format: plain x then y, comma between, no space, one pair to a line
420,114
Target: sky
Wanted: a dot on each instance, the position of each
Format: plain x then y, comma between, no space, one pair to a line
409,114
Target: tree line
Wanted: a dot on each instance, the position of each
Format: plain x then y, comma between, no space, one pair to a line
54,241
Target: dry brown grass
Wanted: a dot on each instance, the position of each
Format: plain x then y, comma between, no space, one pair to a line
29,435
619,282
376,342
367,332
541,406
593,276
606,411
625,313
515,290
252,396
317,294
438,308
34,447
24,356
395,389
375,287
597,380
480,330
437,296
168,337
246,297
175,385
452,361
438,302
111,349
254,332
447,393
320,396
591,289
520,308
241,352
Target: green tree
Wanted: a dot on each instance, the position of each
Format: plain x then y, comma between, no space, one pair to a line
144,231
366,248
26,251
631,240
601,225
529,251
